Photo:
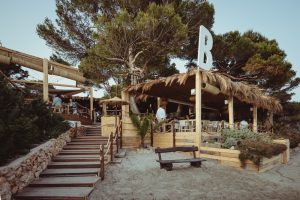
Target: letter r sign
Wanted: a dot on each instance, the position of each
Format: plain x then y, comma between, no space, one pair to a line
204,48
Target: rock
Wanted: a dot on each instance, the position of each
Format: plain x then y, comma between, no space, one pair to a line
2,180
24,178
37,174
12,177
14,189
5,190
18,172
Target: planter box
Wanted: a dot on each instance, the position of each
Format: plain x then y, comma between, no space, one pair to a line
231,158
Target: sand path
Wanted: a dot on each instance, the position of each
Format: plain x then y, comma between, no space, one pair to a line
139,177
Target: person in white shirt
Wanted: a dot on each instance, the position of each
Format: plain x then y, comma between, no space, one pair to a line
161,114
244,124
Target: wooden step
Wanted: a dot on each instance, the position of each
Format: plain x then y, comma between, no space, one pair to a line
78,159
70,172
85,181
54,193
77,156
89,140
81,147
60,165
79,152
92,137
93,134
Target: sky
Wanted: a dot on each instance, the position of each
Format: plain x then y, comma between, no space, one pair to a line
274,19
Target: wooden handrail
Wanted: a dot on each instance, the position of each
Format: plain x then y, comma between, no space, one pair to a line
102,158
111,148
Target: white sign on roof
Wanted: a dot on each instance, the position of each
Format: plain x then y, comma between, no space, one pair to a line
204,48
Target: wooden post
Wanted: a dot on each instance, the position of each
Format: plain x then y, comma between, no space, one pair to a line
121,134
45,81
104,109
124,117
102,161
125,108
271,120
94,116
76,130
117,139
111,147
255,119
198,106
230,112
91,103
151,133
158,102
174,134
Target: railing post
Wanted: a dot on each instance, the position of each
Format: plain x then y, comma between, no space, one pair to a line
111,147
76,130
121,136
151,132
174,134
117,139
102,161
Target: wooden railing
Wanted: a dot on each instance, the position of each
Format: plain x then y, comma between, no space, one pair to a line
111,141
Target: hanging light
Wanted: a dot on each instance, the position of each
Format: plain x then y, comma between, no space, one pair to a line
225,102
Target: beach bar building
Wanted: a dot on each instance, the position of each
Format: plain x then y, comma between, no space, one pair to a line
205,92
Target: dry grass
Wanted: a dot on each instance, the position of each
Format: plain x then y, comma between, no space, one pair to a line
244,92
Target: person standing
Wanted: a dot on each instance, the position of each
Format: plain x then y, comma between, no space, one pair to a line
57,103
73,106
161,113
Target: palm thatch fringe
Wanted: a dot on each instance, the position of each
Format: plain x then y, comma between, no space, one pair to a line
244,92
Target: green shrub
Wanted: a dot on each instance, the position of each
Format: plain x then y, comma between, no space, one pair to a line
22,125
231,137
255,150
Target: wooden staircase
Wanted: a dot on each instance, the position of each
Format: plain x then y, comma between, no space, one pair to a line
73,173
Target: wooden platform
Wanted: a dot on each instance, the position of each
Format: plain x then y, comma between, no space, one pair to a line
72,174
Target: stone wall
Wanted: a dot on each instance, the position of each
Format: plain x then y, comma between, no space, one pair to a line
22,171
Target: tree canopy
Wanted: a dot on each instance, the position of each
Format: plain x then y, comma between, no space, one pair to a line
114,37
253,58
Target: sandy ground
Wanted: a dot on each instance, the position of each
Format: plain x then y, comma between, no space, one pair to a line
138,176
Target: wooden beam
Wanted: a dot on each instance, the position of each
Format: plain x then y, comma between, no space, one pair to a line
198,106
9,56
41,83
231,112
45,81
255,119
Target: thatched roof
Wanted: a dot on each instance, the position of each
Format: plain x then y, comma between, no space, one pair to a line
250,94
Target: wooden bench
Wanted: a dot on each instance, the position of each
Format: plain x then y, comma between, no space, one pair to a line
168,164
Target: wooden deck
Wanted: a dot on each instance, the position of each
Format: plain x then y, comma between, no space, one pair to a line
72,174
